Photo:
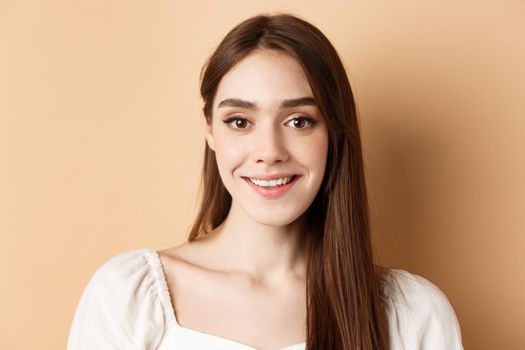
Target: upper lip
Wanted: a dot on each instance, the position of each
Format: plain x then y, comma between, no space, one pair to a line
271,177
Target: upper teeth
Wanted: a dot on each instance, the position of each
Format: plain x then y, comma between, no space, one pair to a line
274,182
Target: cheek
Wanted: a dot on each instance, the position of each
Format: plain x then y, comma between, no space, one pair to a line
228,152
313,151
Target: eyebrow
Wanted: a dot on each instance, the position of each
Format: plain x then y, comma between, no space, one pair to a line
237,102
290,103
298,102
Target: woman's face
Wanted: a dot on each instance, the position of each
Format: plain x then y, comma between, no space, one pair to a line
269,138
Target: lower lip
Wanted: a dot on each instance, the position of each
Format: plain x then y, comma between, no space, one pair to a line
273,192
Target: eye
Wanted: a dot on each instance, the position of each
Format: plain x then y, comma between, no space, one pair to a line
236,122
301,122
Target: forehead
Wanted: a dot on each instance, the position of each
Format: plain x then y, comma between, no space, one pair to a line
265,76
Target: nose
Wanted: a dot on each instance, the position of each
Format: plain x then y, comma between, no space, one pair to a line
269,145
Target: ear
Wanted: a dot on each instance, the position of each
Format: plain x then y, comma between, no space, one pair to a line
208,133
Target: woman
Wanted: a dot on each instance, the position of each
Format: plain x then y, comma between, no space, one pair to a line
279,256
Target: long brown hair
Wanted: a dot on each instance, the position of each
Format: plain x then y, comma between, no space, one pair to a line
344,309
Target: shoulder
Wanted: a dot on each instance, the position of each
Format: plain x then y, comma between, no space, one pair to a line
419,313
125,268
403,287
135,273
125,294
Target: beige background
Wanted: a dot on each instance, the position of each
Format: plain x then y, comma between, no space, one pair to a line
100,144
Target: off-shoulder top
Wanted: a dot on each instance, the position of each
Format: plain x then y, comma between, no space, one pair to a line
127,305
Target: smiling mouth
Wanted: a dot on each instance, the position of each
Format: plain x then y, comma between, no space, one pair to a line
273,183
272,188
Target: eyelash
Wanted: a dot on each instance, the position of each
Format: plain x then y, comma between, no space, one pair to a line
234,118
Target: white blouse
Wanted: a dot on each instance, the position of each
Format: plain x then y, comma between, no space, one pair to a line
126,305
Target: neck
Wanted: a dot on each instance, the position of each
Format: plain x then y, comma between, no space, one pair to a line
267,254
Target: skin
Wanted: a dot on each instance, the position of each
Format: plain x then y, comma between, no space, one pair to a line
254,262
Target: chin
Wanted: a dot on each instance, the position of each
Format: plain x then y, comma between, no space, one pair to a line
275,218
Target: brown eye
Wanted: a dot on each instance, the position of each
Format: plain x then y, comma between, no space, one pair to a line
237,123
300,123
